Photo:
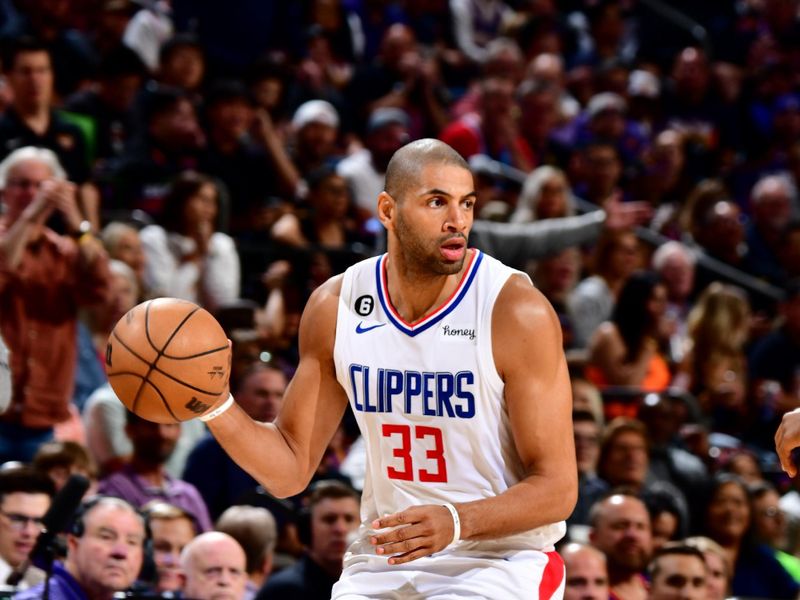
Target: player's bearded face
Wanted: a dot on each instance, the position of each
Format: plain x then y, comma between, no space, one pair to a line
422,251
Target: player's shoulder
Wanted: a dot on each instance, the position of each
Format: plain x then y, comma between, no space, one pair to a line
520,304
327,293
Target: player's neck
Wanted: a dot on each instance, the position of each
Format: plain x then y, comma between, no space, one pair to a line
415,293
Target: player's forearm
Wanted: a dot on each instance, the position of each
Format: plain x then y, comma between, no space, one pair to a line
533,502
270,457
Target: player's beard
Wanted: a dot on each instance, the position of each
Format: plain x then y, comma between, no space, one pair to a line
423,255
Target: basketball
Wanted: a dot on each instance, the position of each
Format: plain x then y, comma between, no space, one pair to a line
168,360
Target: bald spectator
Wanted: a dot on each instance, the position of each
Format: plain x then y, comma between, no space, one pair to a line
171,529
44,278
122,243
621,530
213,566
675,264
219,479
255,530
587,576
678,572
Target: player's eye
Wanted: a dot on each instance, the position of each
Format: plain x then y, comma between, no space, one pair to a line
436,202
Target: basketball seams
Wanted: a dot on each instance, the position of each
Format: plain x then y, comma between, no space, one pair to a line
198,355
183,383
163,399
159,355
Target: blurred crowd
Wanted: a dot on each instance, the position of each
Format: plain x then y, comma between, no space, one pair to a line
639,159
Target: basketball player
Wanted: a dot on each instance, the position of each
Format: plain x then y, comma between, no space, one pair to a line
453,366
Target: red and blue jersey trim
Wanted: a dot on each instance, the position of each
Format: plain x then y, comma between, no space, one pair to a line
429,320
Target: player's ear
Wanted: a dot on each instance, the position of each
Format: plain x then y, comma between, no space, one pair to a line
386,208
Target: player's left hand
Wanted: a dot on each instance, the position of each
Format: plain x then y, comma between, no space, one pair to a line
416,532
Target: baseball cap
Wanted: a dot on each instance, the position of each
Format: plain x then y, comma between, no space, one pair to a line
643,84
604,101
315,111
381,117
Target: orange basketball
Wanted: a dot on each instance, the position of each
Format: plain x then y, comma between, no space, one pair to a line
168,360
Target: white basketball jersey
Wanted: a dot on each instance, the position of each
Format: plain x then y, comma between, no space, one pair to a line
429,401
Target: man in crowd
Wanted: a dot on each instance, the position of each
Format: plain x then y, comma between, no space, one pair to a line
145,477
44,278
104,554
587,576
214,568
621,530
255,529
333,514
24,499
678,572
171,530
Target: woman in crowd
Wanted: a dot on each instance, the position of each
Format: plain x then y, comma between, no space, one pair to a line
186,255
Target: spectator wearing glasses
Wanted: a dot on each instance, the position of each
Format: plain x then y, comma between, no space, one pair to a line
24,499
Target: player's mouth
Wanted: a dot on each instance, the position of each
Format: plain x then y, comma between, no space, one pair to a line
453,249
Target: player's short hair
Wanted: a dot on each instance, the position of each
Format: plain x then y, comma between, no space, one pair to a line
409,160
26,153
254,528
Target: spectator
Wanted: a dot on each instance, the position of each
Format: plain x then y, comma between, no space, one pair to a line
171,530
219,480
621,530
674,263
556,277
774,359
364,170
492,130
186,256
332,515
255,530
104,553
545,195
213,566
235,153
616,256
678,571
714,369
31,120
626,351
44,278
25,496
60,460
756,571
597,172
770,525
591,488
475,24
95,325
328,222
625,462
144,478
122,243
771,208
539,104
316,126
717,568
586,573
181,63
169,141
109,107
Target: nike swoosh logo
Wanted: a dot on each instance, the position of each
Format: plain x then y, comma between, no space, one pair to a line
360,329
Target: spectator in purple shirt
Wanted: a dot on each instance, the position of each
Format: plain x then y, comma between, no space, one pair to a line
144,477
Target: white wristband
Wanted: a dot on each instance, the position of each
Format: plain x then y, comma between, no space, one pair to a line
456,523
219,410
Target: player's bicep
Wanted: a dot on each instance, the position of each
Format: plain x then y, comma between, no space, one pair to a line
529,355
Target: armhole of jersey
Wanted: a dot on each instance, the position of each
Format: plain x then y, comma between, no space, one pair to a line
341,314
486,348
